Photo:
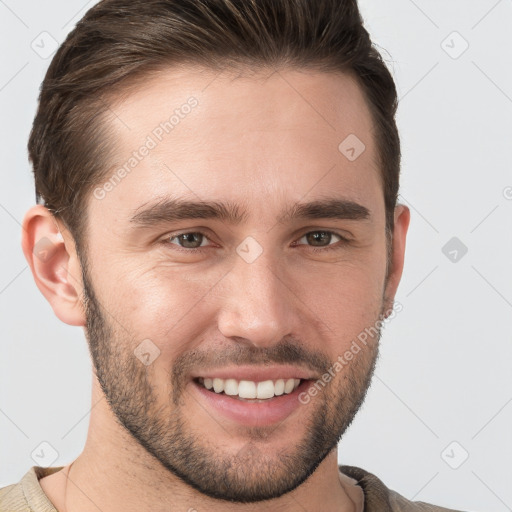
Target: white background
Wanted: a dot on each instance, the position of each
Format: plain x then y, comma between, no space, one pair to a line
445,369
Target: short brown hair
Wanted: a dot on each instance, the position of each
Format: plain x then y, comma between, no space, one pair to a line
119,41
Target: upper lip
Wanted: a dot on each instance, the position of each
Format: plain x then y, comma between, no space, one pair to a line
257,373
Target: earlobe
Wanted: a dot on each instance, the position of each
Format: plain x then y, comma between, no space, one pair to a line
50,252
401,225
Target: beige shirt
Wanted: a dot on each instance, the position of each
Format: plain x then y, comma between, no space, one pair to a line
367,492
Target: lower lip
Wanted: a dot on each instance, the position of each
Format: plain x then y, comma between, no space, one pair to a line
270,412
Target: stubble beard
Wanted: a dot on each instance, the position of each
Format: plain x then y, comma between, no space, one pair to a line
255,472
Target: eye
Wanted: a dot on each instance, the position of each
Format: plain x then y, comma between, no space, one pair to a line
188,240
323,239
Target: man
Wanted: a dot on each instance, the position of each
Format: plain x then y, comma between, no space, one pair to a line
220,214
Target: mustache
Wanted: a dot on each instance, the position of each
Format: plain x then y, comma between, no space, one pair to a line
287,352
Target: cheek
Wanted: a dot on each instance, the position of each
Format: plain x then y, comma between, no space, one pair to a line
343,301
173,306
166,305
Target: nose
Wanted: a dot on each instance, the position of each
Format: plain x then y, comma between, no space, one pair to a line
257,304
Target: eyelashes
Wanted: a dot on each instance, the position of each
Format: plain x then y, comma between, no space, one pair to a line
187,237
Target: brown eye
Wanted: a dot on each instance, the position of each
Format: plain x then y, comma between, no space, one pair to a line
320,238
191,240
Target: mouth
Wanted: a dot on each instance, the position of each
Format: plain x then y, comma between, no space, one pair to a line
248,390
262,402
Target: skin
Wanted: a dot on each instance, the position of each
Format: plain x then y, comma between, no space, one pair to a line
265,141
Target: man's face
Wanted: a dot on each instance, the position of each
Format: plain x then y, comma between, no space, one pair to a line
178,298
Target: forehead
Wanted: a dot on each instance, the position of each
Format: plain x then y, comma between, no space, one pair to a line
261,137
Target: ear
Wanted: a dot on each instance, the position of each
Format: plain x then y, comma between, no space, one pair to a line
50,252
402,217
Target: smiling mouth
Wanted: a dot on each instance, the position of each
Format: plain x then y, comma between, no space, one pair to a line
250,391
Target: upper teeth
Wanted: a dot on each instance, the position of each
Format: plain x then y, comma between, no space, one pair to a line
251,389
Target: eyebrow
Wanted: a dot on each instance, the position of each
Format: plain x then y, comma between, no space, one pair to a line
170,210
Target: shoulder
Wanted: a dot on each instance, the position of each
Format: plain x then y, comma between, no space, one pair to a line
379,498
12,498
27,495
